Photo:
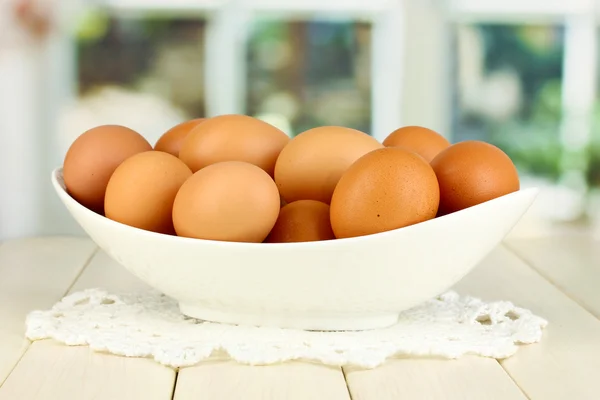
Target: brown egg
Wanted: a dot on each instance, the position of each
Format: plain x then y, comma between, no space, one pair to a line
230,201
310,166
93,157
302,221
386,189
233,138
472,172
170,142
423,141
141,191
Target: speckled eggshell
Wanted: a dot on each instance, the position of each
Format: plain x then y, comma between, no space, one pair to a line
385,189
92,159
473,172
311,165
231,201
423,141
171,141
141,191
233,138
302,221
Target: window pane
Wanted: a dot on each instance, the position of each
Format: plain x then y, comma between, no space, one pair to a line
306,74
144,72
593,171
508,81
594,167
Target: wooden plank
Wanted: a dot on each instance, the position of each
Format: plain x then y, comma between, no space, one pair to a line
103,272
228,380
34,274
565,364
51,371
465,378
572,263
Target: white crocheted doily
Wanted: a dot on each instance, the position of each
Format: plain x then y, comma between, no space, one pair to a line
150,325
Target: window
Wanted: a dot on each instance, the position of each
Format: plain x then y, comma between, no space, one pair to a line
305,74
508,92
145,72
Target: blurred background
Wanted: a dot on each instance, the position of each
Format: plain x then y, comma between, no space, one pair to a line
521,74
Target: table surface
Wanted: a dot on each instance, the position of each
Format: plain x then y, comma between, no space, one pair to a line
557,277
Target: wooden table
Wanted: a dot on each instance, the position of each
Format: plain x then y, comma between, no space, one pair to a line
556,277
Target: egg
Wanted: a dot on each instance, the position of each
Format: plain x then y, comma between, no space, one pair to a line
423,141
385,189
310,166
93,157
171,141
473,172
233,138
229,201
141,191
302,221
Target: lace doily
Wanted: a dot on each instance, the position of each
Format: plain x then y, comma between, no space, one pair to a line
149,324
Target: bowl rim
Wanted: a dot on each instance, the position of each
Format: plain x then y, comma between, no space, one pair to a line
56,177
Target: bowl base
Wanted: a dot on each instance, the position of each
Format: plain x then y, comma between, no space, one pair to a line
305,322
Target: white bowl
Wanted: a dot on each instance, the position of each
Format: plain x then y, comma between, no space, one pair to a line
345,284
